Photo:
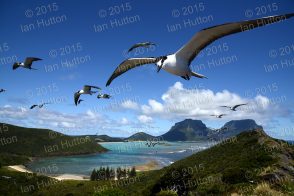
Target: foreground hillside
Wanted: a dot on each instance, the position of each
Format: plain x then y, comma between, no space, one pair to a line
249,164
18,143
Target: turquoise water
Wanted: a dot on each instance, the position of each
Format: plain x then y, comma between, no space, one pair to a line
122,154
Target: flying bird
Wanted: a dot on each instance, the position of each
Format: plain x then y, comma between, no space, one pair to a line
85,90
179,62
2,90
141,44
33,106
233,108
40,106
27,64
103,96
218,116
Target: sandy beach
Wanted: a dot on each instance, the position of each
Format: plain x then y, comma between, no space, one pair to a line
22,168
151,165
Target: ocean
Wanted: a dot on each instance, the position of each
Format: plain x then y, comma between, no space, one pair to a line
121,154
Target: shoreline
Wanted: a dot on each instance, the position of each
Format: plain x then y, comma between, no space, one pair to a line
149,166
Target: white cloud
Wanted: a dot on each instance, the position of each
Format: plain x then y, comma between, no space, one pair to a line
129,104
144,119
124,121
178,103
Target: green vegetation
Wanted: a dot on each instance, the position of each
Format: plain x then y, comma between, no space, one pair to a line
16,183
250,164
109,173
140,136
18,144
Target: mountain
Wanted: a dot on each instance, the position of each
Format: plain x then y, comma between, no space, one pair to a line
187,130
140,136
106,138
19,143
191,130
233,128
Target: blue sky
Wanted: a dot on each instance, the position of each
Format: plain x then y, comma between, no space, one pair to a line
141,97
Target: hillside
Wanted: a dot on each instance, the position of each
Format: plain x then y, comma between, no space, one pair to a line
251,163
19,143
239,165
106,138
234,127
140,136
187,130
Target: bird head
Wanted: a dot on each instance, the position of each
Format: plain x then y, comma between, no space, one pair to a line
160,62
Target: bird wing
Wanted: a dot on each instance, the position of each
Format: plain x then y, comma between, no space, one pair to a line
224,106
130,64
135,46
33,106
222,115
30,60
76,97
15,66
206,36
88,87
239,105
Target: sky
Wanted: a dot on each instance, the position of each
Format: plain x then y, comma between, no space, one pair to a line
82,42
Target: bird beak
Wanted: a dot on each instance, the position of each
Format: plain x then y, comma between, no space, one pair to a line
159,68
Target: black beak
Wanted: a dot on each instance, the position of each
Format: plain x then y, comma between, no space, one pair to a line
159,68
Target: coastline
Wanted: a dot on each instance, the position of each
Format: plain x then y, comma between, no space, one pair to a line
151,165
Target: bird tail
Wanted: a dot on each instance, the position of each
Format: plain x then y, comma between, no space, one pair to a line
33,68
198,75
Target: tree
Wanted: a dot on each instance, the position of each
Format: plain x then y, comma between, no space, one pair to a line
107,173
93,175
124,173
133,172
118,173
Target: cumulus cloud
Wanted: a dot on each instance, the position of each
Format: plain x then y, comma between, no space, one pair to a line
178,103
129,104
81,123
144,119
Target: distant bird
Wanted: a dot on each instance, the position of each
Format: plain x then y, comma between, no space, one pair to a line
80,100
233,108
179,62
27,64
141,44
218,116
150,143
103,96
33,106
85,90
2,90
40,106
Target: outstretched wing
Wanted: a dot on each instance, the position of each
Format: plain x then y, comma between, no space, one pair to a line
88,87
15,66
76,97
238,105
206,36
130,64
30,60
135,46
33,106
224,106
